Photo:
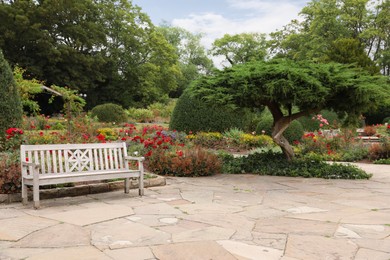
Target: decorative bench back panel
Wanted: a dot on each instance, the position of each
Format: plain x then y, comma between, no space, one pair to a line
74,158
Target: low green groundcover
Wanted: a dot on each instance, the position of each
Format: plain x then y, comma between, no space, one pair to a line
275,164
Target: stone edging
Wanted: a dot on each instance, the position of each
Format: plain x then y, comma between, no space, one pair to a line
84,189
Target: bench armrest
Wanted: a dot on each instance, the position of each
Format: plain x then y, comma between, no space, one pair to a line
28,164
140,159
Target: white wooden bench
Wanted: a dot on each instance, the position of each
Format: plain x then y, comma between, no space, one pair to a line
67,163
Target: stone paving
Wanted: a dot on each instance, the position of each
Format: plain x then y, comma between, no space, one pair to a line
219,217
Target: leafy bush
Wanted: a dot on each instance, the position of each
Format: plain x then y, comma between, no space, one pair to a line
382,161
191,114
110,113
163,110
10,174
275,164
141,115
10,105
292,133
184,163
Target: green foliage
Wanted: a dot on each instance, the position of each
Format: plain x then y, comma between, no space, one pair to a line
10,106
193,60
274,164
163,110
348,32
240,48
382,161
110,113
109,50
27,89
192,114
141,115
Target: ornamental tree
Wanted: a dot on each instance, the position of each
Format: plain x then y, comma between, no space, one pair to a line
282,85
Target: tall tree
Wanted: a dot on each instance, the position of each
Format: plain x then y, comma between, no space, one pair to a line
10,105
193,60
346,31
240,48
283,84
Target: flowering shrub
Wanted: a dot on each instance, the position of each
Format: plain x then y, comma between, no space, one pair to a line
185,163
108,133
338,147
14,138
250,141
10,174
369,130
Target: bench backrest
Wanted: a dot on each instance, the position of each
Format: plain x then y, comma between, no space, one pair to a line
73,158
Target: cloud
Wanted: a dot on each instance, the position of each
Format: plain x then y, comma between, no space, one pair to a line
244,16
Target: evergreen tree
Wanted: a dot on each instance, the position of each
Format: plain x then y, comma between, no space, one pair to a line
10,105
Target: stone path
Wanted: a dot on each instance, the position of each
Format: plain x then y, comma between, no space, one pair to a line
220,217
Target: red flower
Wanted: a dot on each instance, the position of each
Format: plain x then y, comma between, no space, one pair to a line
26,159
47,127
41,133
101,137
179,153
148,154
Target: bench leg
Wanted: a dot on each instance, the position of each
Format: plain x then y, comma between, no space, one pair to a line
141,184
36,196
127,185
24,193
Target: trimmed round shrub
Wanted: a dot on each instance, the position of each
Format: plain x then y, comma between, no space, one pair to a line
293,132
192,114
109,113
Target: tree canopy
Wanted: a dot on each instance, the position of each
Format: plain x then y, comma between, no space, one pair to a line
240,48
107,49
193,60
345,31
283,84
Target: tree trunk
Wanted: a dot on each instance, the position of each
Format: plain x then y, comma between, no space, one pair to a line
277,135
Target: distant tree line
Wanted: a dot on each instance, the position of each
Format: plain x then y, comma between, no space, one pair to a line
111,51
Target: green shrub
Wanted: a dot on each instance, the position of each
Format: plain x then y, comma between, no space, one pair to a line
275,164
382,161
141,115
386,120
110,113
292,133
191,114
163,110
11,112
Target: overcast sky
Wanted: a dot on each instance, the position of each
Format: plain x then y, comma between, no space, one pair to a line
214,18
